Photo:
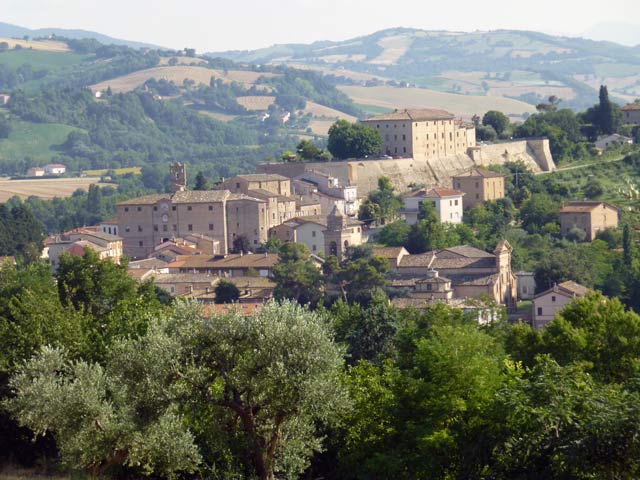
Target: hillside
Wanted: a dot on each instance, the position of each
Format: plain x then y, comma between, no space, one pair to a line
528,66
9,30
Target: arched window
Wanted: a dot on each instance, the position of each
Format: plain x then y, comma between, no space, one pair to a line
346,244
333,248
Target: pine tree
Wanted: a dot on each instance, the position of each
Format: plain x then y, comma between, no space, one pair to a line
201,182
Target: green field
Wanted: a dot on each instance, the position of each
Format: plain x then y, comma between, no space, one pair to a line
39,59
372,109
35,140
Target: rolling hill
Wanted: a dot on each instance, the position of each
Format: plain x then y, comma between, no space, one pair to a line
527,66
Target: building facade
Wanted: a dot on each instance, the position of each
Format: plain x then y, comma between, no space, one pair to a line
589,216
447,203
547,304
422,133
479,186
631,114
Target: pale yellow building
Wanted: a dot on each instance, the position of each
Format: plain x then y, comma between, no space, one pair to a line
479,186
548,303
422,133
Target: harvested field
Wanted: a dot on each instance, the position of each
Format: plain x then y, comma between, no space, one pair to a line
183,60
320,127
318,110
46,188
177,75
394,48
461,105
223,117
256,102
44,45
565,93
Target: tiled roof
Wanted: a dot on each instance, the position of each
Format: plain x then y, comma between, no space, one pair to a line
585,206
94,233
414,114
631,106
478,172
111,221
146,199
438,192
200,196
388,252
162,278
230,261
425,260
568,288
230,308
260,177
474,280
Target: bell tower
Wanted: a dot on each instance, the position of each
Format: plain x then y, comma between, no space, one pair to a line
178,173
336,236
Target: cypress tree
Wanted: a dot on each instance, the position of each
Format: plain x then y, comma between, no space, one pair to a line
605,112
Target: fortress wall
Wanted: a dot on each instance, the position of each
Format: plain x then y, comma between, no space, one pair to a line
432,172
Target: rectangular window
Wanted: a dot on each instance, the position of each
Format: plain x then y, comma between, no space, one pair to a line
404,137
313,247
141,243
313,233
139,228
164,228
127,228
539,310
189,208
175,227
139,209
553,298
210,208
211,226
190,228
155,208
456,203
155,228
173,208
126,209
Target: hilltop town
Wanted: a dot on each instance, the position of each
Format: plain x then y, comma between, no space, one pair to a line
304,262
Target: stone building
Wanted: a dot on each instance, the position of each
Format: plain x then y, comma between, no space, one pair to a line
75,241
147,221
339,234
589,216
328,191
479,186
310,231
422,133
631,114
548,303
472,272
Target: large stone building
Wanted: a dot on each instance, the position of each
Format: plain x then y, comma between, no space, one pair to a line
77,240
471,272
147,221
479,186
423,133
328,191
589,216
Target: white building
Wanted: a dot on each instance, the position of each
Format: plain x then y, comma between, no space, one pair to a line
526,285
447,202
54,169
606,142
328,191
550,302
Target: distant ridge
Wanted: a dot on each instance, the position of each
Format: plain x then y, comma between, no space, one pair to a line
9,30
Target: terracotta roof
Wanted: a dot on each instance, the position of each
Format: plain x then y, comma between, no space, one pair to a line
139,274
262,177
414,114
162,278
54,165
111,221
478,172
77,248
200,196
452,258
474,280
438,192
584,206
94,233
388,252
146,199
568,288
230,261
147,263
631,106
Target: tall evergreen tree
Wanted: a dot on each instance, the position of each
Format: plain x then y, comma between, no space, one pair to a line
605,112
201,182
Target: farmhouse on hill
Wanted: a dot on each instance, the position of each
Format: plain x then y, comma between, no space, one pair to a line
589,216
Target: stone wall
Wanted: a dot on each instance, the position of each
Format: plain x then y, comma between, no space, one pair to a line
402,172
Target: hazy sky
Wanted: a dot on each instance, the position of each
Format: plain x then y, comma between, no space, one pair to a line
246,24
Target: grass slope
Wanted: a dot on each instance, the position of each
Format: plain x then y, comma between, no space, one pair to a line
35,140
41,59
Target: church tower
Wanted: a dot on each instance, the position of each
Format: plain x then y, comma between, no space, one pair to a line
178,173
336,236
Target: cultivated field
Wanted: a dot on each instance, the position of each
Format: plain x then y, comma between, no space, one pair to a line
223,117
256,102
320,127
46,45
40,59
394,48
462,105
117,171
321,111
45,188
177,75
